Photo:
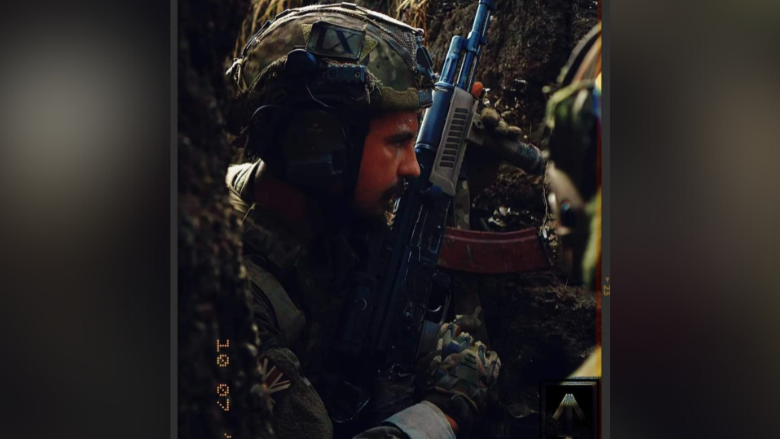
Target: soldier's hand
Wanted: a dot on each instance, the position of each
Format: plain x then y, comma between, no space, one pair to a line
459,375
493,121
496,125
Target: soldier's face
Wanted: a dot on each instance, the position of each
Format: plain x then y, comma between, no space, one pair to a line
388,158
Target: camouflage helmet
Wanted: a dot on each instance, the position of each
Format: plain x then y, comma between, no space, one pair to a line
309,82
574,119
360,59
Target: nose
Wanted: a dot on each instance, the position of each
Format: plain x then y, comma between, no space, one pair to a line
409,166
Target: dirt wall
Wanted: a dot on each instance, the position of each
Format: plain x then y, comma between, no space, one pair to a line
212,294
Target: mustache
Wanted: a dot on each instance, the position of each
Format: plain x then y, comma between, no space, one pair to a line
396,190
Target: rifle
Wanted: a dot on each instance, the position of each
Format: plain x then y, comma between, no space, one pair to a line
414,296
397,306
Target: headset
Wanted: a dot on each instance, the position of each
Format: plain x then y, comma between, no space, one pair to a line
313,141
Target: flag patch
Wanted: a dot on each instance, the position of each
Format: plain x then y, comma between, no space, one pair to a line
273,378
334,41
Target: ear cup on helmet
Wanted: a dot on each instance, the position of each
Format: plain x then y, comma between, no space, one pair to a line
310,146
264,133
314,148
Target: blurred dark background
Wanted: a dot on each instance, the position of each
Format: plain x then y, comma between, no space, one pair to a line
85,237
694,104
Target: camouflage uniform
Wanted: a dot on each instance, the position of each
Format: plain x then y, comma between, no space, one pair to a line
298,287
299,275
574,119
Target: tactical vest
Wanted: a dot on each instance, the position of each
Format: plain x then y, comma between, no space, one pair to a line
304,281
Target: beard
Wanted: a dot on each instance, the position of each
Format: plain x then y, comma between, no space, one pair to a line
390,201
385,206
391,196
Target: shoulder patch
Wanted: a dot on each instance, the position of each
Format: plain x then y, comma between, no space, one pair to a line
334,41
274,379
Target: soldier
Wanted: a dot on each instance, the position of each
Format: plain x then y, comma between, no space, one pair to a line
574,119
329,99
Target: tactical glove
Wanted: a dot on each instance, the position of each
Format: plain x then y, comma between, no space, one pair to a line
495,123
459,375
490,132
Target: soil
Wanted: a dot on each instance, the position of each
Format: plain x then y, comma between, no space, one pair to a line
213,297
540,326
